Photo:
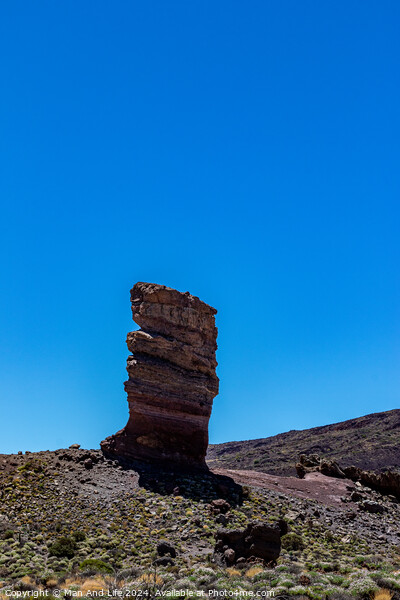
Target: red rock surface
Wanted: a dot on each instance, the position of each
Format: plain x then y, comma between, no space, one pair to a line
172,380
326,490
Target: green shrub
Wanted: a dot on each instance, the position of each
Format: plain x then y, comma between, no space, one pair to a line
64,547
94,564
8,534
292,541
79,536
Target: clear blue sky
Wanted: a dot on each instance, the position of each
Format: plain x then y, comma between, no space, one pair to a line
245,151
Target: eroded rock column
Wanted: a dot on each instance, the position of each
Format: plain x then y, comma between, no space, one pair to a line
172,380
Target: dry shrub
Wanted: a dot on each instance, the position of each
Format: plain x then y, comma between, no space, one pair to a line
233,572
95,584
253,571
72,581
383,595
305,580
28,580
150,578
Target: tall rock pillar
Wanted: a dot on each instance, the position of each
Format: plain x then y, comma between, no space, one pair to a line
172,380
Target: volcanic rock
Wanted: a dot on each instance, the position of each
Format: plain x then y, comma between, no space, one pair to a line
386,482
172,380
164,548
313,463
373,507
258,540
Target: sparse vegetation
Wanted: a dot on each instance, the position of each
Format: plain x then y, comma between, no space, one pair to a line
88,541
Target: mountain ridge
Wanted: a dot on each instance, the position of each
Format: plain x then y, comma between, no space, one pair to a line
370,442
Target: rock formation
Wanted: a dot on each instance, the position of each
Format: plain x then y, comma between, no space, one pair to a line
172,380
385,482
313,463
257,540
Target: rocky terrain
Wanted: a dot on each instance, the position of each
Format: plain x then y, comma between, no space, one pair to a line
172,380
73,519
370,442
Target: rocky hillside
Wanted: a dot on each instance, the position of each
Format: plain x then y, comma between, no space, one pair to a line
370,442
74,521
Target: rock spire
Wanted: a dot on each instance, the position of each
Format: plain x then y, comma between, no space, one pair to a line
172,380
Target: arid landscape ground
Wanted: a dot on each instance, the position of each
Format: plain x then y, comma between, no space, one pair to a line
71,519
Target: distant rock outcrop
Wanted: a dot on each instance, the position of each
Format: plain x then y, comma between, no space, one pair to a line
313,463
385,482
172,380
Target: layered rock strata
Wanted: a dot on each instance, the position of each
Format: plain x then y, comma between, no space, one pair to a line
172,380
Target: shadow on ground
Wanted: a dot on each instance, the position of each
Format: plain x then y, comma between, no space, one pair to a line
195,484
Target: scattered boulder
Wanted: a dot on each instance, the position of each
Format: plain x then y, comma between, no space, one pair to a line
172,380
74,446
283,526
330,468
219,506
310,460
164,548
258,540
221,519
293,515
356,496
387,482
372,507
229,556
313,463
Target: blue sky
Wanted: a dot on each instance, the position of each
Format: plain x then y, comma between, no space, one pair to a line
245,151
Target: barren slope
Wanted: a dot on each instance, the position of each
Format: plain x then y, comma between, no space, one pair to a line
370,442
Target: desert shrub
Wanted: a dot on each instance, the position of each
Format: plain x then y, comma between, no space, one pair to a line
253,571
151,578
363,587
8,534
79,536
383,594
292,541
386,583
232,572
64,547
96,565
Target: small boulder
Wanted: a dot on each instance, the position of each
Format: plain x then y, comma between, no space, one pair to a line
293,515
229,555
356,496
283,526
260,540
164,548
373,507
74,446
330,468
221,519
220,506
